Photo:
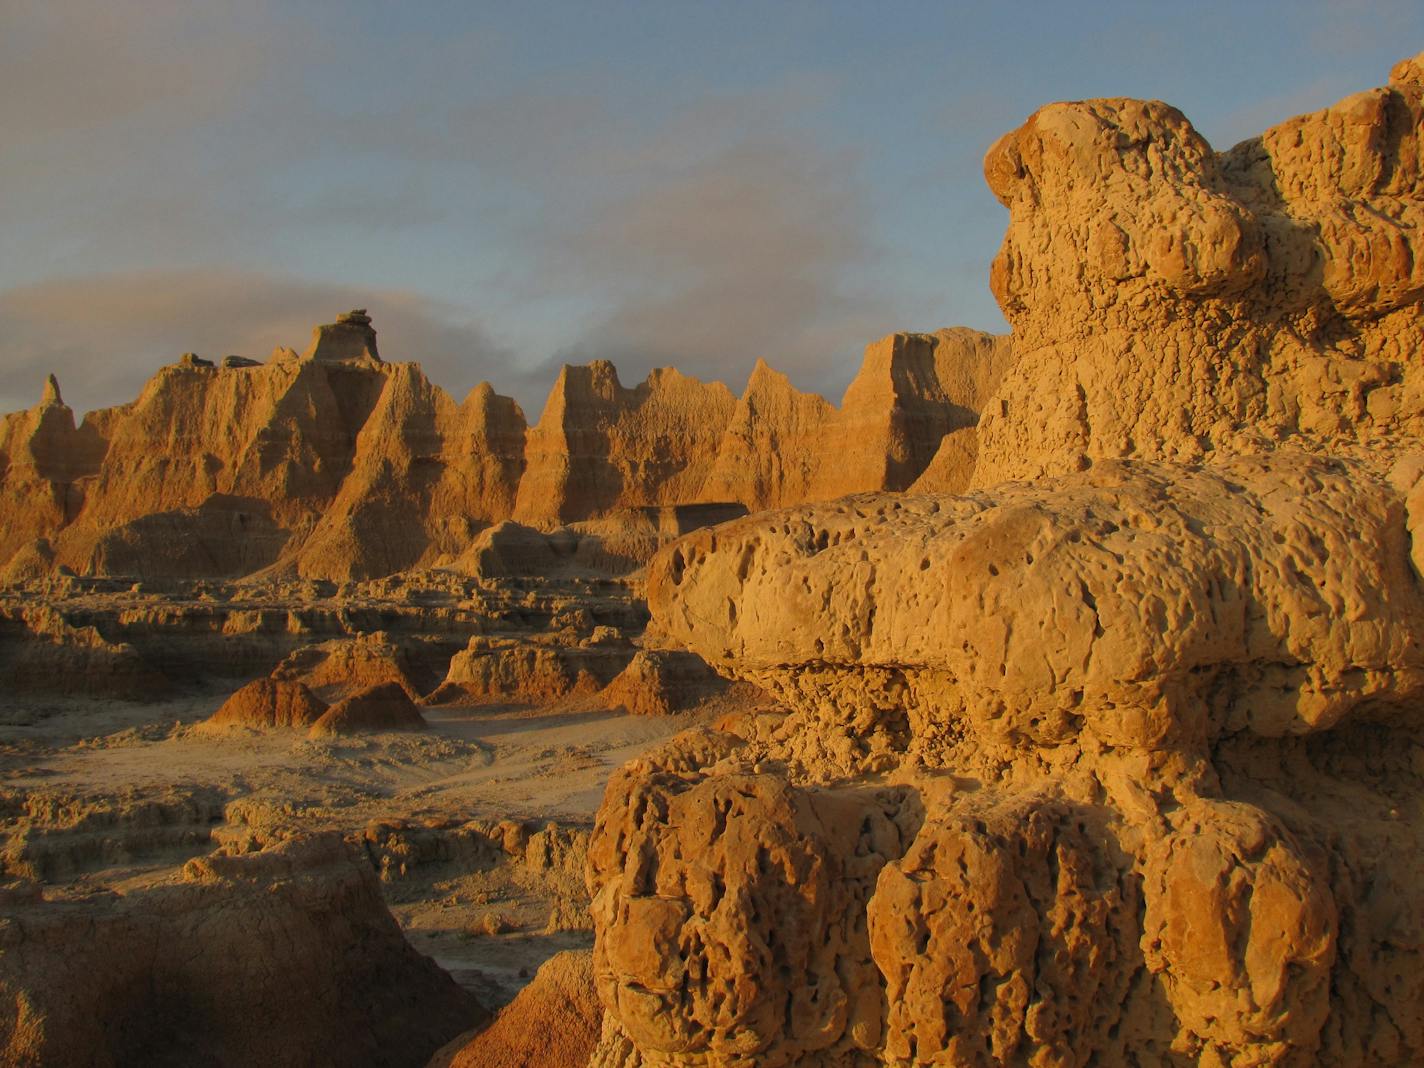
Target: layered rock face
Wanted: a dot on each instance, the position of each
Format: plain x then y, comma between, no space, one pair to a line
332,464
674,440
914,396
42,455
1121,765
337,465
599,445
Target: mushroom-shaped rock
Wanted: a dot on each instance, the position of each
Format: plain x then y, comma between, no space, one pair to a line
351,339
1109,603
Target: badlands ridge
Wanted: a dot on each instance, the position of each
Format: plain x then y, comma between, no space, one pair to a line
337,465
1053,701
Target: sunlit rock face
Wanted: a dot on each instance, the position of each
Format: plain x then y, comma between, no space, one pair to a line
338,465
1171,302
1117,757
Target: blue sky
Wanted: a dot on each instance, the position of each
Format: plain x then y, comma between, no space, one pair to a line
511,186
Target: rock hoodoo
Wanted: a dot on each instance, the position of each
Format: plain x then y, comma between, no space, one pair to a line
351,339
1117,765
1171,302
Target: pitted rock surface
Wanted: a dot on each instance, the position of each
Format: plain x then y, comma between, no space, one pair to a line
1150,715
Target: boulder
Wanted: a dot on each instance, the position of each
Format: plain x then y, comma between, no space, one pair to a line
1170,302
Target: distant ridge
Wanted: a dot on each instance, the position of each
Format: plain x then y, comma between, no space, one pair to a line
337,464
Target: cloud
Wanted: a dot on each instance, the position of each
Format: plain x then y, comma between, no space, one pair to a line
104,336
732,236
173,157
86,65
1344,28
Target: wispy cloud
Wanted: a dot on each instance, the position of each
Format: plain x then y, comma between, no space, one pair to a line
83,66
733,235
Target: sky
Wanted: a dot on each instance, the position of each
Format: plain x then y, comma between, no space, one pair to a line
508,187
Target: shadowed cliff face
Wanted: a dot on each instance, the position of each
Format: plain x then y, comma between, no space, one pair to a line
335,464
1118,762
281,956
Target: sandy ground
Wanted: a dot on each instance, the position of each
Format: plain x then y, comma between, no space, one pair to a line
494,762
491,930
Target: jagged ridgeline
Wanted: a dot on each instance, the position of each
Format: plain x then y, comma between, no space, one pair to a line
335,464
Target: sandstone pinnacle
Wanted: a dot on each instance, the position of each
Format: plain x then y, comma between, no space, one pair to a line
51,394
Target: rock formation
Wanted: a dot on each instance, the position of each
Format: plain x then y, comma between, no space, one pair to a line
599,446
1118,765
287,956
267,703
383,707
351,339
42,455
1099,746
660,682
338,668
1170,302
333,464
44,652
770,451
538,670
554,1023
338,465
914,393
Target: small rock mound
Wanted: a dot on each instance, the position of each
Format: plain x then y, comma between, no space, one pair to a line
385,707
553,1023
341,667
33,560
268,703
491,670
661,682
